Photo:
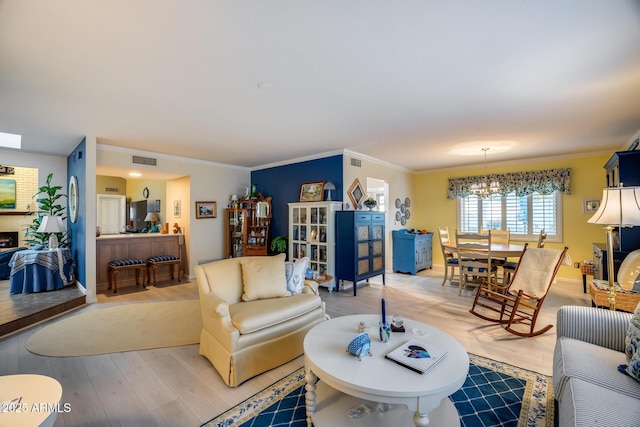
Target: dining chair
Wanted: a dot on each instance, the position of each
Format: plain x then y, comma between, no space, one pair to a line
474,257
520,302
450,260
501,236
509,267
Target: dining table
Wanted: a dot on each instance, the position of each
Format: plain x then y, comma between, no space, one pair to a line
498,250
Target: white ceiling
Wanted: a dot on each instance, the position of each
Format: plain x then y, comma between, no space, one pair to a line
406,82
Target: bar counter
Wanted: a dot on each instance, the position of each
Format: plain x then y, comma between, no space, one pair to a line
111,247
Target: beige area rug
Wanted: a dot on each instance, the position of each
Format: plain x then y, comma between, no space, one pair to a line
129,327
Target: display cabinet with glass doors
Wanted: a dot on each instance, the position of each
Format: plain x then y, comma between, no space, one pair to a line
312,234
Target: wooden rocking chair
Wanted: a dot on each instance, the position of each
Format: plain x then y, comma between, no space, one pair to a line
520,301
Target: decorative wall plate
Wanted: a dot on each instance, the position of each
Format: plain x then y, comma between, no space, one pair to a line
398,203
407,214
72,197
403,221
407,202
398,215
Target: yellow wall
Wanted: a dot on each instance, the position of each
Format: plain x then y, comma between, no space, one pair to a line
432,209
114,184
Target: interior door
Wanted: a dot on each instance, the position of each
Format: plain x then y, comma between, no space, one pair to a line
111,213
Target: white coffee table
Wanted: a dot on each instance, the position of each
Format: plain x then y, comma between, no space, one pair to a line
40,401
346,382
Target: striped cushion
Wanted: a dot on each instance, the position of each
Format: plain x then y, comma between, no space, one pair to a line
591,363
588,404
163,258
478,269
509,265
125,262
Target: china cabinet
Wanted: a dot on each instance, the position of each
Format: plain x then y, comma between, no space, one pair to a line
360,245
247,228
312,234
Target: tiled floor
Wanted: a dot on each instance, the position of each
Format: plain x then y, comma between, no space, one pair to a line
20,310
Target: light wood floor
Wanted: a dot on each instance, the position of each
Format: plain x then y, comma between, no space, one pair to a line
178,387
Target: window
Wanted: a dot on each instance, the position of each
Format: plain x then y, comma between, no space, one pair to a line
523,216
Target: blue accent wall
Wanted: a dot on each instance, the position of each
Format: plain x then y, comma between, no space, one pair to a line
283,183
77,165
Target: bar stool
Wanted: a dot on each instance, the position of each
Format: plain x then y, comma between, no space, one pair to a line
169,260
126,264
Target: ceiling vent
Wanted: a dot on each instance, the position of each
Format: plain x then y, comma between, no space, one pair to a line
356,162
111,190
147,161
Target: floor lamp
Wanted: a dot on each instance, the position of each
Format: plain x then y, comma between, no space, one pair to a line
620,207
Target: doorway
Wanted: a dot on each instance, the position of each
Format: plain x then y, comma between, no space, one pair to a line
379,190
111,213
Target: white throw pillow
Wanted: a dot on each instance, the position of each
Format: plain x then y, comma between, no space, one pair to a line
263,277
294,272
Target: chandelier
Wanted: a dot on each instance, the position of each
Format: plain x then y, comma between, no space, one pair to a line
484,188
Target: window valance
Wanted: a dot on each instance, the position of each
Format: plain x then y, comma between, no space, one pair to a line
522,183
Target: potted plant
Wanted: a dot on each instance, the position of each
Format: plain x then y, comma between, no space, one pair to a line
48,198
279,244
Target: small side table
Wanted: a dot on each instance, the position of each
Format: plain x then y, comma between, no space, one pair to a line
39,404
586,270
324,279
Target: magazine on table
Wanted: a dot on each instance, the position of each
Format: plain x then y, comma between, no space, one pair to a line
417,355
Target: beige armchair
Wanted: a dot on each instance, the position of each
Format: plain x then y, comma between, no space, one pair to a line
243,338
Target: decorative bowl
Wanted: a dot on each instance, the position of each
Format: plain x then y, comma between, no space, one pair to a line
360,345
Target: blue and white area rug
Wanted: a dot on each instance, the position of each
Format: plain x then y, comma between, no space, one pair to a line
494,394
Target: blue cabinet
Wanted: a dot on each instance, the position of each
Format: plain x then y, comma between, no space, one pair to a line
411,252
359,246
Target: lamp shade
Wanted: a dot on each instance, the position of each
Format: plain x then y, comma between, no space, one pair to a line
151,217
620,207
51,224
329,185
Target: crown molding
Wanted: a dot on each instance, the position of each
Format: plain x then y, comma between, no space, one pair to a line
521,161
114,148
378,161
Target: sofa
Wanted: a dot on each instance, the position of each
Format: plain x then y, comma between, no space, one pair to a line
252,321
5,257
589,388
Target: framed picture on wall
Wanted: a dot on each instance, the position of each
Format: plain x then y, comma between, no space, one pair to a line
176,208
590,205
356,193
206,210
157,205
312,191
7,193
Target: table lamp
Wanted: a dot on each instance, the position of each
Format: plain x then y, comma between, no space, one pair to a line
329,186
620,207
152,218
52,224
